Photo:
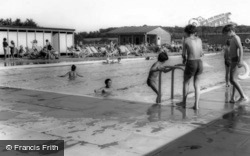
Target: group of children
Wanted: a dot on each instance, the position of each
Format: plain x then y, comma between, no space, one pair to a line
192,54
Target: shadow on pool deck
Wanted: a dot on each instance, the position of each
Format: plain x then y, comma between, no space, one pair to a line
116,127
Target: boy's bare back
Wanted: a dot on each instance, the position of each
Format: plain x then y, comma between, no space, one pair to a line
235,44
193,47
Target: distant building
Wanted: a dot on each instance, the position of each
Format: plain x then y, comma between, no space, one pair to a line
144,34
58,37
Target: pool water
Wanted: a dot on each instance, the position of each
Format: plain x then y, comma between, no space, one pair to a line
129,78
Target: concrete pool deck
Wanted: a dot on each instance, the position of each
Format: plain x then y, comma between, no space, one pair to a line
93,126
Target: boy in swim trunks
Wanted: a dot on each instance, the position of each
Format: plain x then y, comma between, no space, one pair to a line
72,74
154,72
191,54
227,61
236,55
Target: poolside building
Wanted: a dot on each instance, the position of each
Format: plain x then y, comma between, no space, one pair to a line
144,34
60,38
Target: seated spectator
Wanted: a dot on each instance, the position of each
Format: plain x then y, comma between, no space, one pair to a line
21,52
34,45
50,52
12,49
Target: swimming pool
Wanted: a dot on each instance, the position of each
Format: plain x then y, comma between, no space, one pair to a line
129,77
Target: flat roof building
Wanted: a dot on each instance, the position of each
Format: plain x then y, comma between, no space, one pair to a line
141,35
59,38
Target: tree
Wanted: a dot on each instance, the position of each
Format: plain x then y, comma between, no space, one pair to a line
17,22
30,22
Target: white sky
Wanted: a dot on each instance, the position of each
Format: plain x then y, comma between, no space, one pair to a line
91,15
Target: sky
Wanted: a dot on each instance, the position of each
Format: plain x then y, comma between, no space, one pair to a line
92,15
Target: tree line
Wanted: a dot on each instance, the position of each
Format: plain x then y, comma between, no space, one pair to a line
18,22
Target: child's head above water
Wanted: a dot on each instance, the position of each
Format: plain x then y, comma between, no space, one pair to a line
162,57
107,82
119,59
73,67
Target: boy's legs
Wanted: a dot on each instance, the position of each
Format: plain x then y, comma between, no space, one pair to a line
153,86
185,91
227,75
197,91
235,83
5,52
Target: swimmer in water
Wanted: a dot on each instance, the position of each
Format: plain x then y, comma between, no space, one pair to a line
154,72
118,60
107,89
72,74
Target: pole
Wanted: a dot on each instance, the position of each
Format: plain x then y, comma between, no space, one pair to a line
43,38
172,85
159,90
66,44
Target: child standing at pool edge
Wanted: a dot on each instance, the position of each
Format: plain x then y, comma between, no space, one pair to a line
227,61
191,54
154,72
236,56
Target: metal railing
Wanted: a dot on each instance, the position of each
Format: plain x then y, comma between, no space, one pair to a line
173,68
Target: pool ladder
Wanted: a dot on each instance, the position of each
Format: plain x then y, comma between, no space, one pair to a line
173,68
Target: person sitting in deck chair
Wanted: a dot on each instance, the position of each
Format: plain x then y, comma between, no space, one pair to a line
51,53
21,52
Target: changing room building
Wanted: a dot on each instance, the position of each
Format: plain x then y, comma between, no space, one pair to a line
59,38
141,35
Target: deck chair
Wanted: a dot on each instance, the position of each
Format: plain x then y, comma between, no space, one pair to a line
123,50
74,52
31,53
89,52
95,52
102,51
131,49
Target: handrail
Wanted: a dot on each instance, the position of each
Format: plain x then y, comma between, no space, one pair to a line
173,68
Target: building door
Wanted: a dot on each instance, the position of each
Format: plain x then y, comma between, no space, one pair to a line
137,40
158,40
148,39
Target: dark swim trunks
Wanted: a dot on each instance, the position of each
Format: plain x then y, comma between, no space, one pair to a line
235,59
227,63
193,68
